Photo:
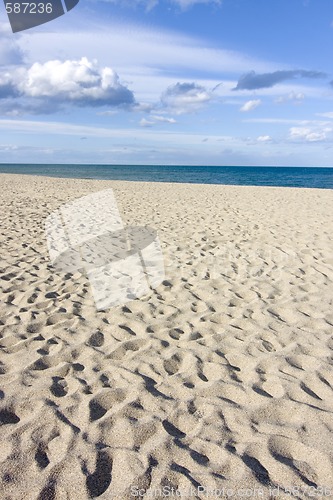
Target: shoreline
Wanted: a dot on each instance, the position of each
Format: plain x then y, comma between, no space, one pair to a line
298,177
165,182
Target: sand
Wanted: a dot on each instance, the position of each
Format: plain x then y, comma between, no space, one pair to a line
217,383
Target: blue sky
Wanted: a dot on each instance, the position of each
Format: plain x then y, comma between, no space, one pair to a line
230,82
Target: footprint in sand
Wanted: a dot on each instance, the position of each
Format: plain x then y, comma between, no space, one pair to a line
176,333
41,457
96,339
99,481
171,366
100,404
7,416
59,387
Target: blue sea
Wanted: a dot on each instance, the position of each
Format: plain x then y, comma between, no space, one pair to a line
306,177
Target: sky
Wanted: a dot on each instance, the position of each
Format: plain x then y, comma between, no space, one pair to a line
190,82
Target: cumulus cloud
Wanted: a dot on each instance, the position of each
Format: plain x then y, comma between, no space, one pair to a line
250,105
305,134
185,97
79,82
253,81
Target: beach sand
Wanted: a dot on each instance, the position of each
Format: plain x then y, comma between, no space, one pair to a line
221,378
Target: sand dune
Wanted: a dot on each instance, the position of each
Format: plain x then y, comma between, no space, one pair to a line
221,378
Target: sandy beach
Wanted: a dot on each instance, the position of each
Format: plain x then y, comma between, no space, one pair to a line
218,382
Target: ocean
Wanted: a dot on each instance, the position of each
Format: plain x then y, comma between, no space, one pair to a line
306,177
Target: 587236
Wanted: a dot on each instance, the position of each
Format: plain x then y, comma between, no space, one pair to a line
28,8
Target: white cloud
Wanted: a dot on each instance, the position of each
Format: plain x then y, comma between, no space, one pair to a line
164,119
250,105
80,82
308,134
185,97
154,119
146,123
282,121
296,97
315,136
264,138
